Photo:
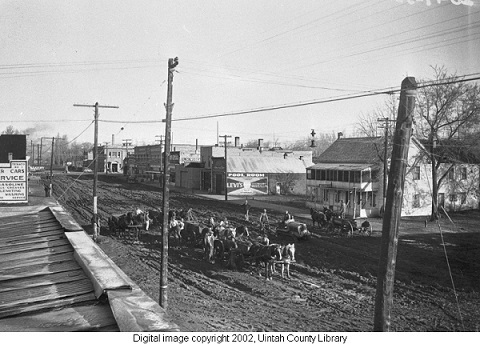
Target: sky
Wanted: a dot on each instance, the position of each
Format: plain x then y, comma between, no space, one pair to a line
234,56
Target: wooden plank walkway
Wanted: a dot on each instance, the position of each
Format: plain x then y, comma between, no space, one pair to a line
42,287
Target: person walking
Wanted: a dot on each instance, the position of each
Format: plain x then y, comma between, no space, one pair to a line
246,208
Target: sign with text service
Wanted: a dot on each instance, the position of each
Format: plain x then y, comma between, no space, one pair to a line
14,182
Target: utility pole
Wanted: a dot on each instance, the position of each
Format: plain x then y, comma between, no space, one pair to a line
393,208
95,166
126,143
33,152
41,148
172,63
51,169
386,123
160,141
38,154
225,179
50,189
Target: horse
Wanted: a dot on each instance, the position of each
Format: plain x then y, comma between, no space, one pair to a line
267,254
118,224
176,228
226,245
209,246
288,256
241,232
318,217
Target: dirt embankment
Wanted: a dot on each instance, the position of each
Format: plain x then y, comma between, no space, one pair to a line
333,281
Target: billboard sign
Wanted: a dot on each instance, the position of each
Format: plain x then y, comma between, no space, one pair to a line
245,184
14,182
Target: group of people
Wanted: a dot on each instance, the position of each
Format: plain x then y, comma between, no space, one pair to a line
263,219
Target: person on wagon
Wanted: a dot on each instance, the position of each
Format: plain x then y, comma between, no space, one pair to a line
287,218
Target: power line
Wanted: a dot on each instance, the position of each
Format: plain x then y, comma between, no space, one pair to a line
314,102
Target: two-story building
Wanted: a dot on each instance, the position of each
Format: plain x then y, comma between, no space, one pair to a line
147,160
458,174
351,169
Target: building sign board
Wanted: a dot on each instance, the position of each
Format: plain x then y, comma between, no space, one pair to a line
14,182
245,184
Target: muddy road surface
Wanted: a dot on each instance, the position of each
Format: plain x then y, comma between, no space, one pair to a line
333,282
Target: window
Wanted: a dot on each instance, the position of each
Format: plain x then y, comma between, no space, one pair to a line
416,201
325,195
451,174
463,173
453,198
309,174
366,176
416,173
463,197
356,176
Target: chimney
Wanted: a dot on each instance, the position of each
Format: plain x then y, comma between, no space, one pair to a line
237,141
113,139
340,134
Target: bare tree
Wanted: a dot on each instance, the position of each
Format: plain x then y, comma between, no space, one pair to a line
10,130
447,110
368,124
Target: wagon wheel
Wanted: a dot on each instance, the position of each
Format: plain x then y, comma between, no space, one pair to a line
219,249
348,229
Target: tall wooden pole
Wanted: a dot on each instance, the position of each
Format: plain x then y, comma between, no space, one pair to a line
393,207
33,153
51,170
95,176
95,166
172,63
385,158
225,170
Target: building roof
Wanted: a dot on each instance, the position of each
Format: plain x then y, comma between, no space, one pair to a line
53,277
39,275
266,164
357,150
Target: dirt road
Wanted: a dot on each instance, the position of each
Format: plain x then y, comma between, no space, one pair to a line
333,281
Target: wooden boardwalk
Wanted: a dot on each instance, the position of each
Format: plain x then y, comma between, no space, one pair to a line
42,287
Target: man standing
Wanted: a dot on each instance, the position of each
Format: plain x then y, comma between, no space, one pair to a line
264,220
343,209
246,208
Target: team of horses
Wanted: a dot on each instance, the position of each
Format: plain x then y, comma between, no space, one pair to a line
220,241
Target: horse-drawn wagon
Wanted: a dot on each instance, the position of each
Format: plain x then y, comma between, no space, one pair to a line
342,226
333,222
